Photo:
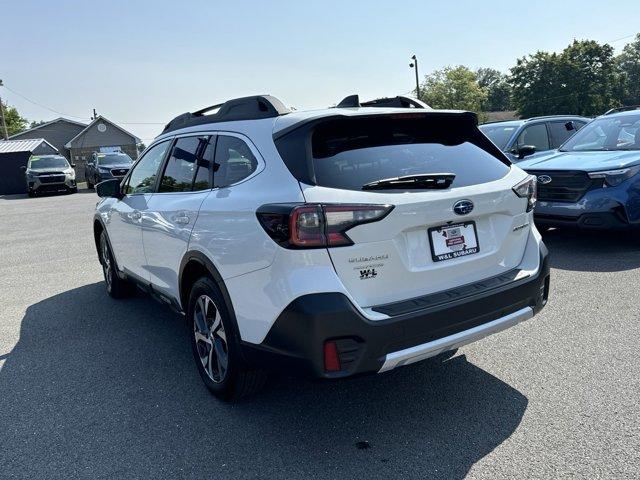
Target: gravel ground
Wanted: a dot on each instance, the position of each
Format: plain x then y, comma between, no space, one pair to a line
91,387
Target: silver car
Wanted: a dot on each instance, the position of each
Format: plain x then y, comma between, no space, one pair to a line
49,174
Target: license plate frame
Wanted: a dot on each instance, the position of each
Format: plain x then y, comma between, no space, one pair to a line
452,254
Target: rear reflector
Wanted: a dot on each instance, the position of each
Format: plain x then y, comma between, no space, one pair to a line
331,358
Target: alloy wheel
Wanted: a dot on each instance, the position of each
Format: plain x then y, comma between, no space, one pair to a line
106,264
211,339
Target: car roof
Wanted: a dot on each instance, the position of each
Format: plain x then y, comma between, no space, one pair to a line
262,113
545,118
625,113
49,155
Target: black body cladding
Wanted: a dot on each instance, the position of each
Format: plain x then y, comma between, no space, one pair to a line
295,342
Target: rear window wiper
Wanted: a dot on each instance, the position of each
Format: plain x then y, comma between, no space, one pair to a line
419,181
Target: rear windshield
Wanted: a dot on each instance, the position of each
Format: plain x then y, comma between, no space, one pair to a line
348,153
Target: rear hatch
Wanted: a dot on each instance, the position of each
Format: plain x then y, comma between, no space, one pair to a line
455,218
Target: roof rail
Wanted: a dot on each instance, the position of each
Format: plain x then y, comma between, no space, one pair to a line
622,109
396,102
245,108
542,117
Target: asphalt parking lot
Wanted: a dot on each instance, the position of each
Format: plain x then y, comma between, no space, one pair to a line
91,387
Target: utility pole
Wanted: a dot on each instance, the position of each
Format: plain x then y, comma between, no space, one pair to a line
414,65
5,133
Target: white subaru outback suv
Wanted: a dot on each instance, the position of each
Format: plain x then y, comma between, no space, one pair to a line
328,243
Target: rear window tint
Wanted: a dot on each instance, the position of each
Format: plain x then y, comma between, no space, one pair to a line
349,154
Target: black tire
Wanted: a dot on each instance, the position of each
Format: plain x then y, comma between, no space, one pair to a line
116,286
31,193
215,345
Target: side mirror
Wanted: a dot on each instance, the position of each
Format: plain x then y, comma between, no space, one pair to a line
23,168
524,151
109,188
570,126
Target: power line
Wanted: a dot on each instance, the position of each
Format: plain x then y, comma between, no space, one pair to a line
74,116
43,106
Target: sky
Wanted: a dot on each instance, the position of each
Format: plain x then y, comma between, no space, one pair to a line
140,63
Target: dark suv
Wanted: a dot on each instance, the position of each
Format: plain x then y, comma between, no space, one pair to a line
106,166
523,138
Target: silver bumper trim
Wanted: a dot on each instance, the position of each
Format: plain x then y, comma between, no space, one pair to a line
435,347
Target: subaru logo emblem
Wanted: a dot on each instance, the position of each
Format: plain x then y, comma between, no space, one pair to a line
544,179
463,207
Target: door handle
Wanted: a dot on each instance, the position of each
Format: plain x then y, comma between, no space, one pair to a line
182,219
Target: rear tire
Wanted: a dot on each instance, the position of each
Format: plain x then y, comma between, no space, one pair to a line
216,347
116,286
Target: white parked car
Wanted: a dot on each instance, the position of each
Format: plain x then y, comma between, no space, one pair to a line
328,243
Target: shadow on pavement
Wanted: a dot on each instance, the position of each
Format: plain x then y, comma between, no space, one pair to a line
593,251
103,388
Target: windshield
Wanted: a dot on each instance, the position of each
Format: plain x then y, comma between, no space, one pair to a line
48,162
122,159
606,133
499,134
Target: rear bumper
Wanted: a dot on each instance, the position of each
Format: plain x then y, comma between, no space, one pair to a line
295,343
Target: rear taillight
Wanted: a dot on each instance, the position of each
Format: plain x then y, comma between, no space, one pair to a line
316,225
527,188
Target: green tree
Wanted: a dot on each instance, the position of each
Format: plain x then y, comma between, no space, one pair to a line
582,80
454,88
589,72
35,124
15,123
628,63
498,89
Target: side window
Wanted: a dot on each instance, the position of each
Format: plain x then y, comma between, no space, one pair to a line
233,161
182,165
535,135
143,175
559,133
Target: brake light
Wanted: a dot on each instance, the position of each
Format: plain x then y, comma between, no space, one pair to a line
528,188
316,225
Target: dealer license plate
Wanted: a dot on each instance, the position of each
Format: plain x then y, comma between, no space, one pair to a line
453,241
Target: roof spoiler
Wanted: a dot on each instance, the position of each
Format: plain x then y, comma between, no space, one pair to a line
353,101
246,108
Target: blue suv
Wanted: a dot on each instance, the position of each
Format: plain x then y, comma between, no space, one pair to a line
592,180
534,136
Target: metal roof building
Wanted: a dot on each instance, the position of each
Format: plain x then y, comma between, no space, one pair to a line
32,145
15,154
